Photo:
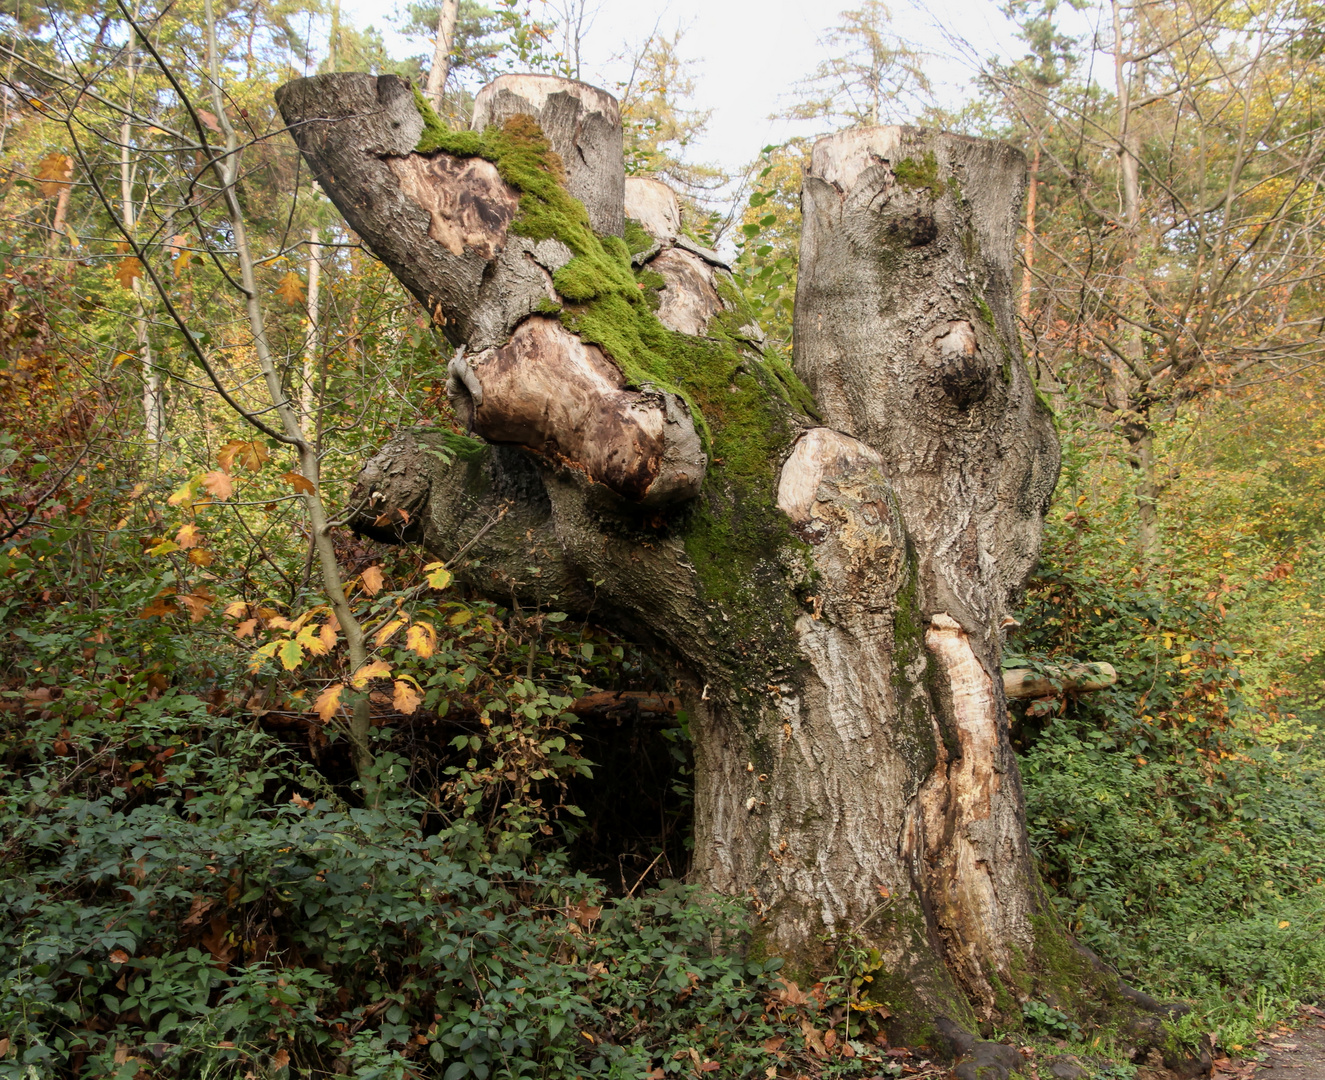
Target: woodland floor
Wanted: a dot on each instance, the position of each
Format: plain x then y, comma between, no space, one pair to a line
1296,1053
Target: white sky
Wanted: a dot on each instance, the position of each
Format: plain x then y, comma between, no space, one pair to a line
748,54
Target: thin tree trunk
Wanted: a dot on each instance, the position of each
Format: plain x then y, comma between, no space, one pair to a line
153,398
1130,383
309,384
441,55
227,169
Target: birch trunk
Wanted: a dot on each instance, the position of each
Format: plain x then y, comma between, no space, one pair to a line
830,572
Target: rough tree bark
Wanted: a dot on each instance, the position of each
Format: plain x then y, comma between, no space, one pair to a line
831,569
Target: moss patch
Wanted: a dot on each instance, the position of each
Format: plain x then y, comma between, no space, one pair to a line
745,405
922,175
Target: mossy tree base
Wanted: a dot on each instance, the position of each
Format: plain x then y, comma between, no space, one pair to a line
832,596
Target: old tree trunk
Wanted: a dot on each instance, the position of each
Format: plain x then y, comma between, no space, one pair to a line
829,554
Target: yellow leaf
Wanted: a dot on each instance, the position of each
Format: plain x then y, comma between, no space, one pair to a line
1284,924
182,497
74,241
218,484
405,698
278,622
439,577
236,608
291,654
372,580
328,702
327,635
459,618
163,548
127,271
376,669
201,557
301,484
385,634
54,172
422,638
291,288
187,537
312,638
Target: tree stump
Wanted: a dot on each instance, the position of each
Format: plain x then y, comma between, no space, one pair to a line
829,554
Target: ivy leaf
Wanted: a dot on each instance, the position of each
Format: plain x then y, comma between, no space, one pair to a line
290,653
291,289
328,702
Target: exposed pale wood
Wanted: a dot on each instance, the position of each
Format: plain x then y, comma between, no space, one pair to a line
442,224
1072,679
548,391
582,123
654,205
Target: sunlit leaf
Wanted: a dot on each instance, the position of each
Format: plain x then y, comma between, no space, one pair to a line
385,634
54,173
250,454
236,608
291,288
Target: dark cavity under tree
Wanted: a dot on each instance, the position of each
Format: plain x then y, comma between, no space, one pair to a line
830,554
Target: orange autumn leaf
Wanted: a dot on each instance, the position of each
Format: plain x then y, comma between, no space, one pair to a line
301,484
422,638
55,172
201,557
372,580
247,628
127,271
218,484
328,702
376,669
250,454
385,634
188,536
291,289
405,698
